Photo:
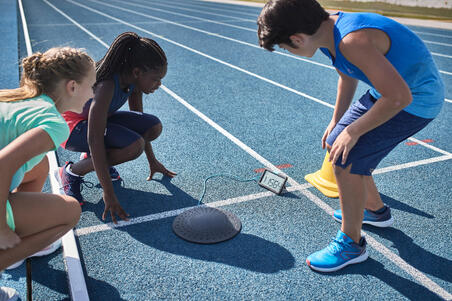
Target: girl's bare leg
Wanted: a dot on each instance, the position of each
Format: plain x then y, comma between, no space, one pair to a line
40,220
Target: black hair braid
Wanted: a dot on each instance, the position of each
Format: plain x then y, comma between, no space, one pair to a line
129,51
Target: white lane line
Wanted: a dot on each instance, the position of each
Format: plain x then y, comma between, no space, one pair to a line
434,34
77,24
411,164
437,43
393,257
205,55
171,213
186,16
199,52
76,278
202,8
436,149
445,72
255,20
442,55
212,33
25,29
235,40
203,12
415,273
241,199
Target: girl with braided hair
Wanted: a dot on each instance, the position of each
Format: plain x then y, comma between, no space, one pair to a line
133,65
31,124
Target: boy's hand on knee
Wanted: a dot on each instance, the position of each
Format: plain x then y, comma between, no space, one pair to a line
342,146
8,238
327,132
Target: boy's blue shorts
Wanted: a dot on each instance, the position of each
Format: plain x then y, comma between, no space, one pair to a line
374,145
123,128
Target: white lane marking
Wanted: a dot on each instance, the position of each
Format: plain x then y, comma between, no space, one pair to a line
171,213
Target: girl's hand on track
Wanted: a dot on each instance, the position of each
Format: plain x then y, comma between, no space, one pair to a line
158,167
112,205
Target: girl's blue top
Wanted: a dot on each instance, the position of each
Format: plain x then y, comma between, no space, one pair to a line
407,53
118,100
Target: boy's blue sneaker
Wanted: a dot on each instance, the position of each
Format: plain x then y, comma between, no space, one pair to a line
71,184
114,174
341,252
377,219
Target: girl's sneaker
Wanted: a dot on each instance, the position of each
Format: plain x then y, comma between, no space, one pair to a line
8,294
72,184
341,252
114,174
49,250
381,218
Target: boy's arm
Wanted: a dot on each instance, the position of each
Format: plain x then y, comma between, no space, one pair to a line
346,87
28,145
362,50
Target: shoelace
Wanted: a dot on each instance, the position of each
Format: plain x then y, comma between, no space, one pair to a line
336,245
81,182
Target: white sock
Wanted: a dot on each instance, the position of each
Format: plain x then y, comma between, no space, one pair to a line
69,171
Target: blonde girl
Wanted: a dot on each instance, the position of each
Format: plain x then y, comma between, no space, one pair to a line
58,80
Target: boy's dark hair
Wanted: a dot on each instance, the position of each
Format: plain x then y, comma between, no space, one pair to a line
129,51
279,19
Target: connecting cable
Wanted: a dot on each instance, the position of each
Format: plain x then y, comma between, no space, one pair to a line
255,179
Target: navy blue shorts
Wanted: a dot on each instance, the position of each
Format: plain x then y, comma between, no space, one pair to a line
374,145
123,128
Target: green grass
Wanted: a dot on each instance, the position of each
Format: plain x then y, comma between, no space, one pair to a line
386,9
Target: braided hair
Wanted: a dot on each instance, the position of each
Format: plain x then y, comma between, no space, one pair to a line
129,51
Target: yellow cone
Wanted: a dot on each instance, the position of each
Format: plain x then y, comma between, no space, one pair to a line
324,179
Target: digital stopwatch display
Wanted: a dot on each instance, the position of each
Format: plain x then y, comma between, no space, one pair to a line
272,181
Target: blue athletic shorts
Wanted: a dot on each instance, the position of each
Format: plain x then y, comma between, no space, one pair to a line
122,129
374,145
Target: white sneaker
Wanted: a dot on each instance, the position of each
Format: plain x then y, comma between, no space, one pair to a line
15,265
8,294
49,250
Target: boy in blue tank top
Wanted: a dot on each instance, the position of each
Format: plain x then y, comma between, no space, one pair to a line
406,94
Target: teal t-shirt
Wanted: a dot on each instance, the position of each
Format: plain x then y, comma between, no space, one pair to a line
18,117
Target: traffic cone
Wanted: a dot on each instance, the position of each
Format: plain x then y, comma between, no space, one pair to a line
324,179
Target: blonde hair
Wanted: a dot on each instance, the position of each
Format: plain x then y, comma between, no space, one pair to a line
42,72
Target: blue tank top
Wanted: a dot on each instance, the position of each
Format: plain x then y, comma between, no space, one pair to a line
118,100
407,53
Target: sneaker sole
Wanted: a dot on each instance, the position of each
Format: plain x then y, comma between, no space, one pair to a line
384,224
52,248
358,259
15,265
